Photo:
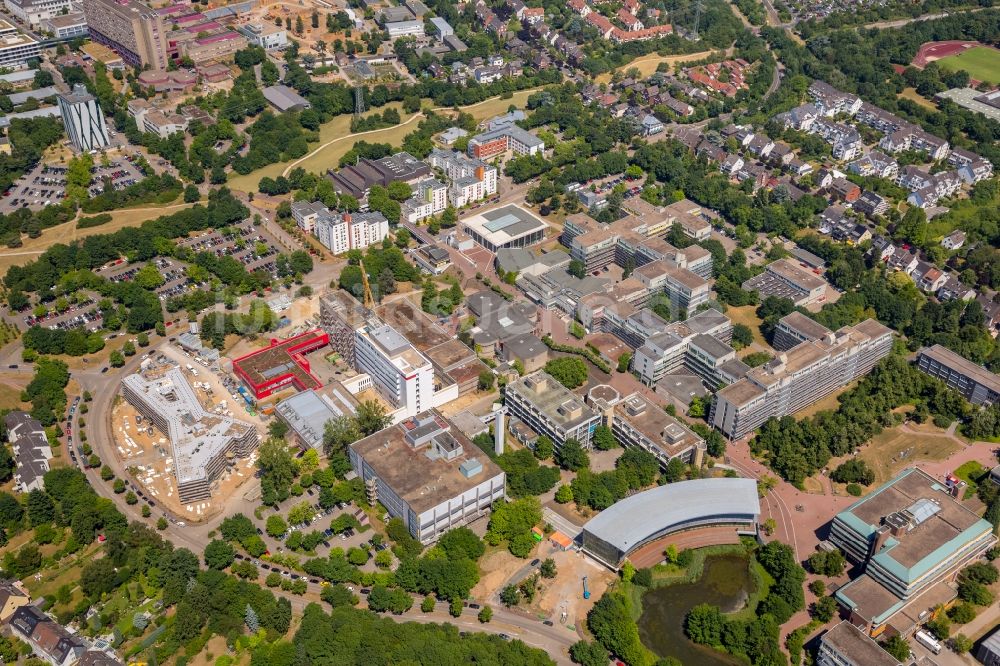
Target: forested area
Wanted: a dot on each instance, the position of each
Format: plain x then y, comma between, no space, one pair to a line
796,449
861,14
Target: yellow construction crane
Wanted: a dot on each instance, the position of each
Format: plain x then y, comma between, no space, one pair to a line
369,301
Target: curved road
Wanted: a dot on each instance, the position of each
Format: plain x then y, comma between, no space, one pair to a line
555,640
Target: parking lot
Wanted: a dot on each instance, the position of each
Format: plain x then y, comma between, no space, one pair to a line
45,185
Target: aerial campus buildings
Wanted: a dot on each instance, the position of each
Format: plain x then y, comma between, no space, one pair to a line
801,375
540,405
83,119
630,524
428,473
976,383
202,442
912,536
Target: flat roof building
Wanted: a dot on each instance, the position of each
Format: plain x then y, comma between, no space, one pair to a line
912,537
132,29
307,412
636,421
16,47
795,328
548,408
83,119
505,227
786,279
799,377
989,650
428,474
630,523
976,383
846,645
510,138
340,315
282,364
201,442
357,179
283,98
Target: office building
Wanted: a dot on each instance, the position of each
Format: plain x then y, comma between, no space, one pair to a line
795,328
402,375
340,232
340,315
912,537
265,35
83,119
427,473
685,289
505,227
976,383
16,47
31,450
66,26
799,377
989,650
786,279
846,645
699,344
281,365
34,12
202,442
405,29
441,27
131,29
499,142
635,421
305,214
539,405
357,179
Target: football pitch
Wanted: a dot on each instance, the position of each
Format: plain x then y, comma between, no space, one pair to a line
981,62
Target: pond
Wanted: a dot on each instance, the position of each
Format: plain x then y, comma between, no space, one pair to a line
725,582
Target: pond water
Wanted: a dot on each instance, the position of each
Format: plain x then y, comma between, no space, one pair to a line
725,582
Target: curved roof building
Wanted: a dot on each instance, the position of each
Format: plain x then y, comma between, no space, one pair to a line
635,521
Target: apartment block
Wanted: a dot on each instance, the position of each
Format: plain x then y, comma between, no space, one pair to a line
699,344
976,383
799,377
795,328
430,197
685,289
469,179
31,450
498,142
340,232
265,35
912,537
428,473
340,316
305,214
539,405
131,29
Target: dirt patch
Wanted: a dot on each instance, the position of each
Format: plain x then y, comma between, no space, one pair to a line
829,403
564,593
912,95
647,64
895,449
747,315
215,648
495,568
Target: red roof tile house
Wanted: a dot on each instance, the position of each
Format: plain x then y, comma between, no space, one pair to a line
628,20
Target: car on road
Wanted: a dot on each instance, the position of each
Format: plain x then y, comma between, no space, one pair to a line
548,623
504,637
104,369
313,581
364,590
475,606
535,562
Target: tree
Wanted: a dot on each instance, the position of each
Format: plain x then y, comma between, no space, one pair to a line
825,609
116,359
41,508
564,495
588,653
961,643
572,456
962,613
570,371
191,194
742,336
371,417
704,624
675,470
548,568
897,647
427,605
219,554
339,433
276,526
543,448
461,542
603,439
486,379
510,596
623,361
277,429
98,577
854,470
577,269
485,614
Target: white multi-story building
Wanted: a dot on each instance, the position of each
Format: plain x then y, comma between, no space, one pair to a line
427,473
83,119
403,375
66,26
33,12
350,231
430,197
265,35
16,48
305,214
539,405
470,179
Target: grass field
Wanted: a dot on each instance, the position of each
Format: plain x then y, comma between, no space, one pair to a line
747,315
912,95
335,139
981,62
647,64
63,233
892,450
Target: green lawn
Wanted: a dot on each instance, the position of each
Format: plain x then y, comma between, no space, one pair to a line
981,62
972,473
